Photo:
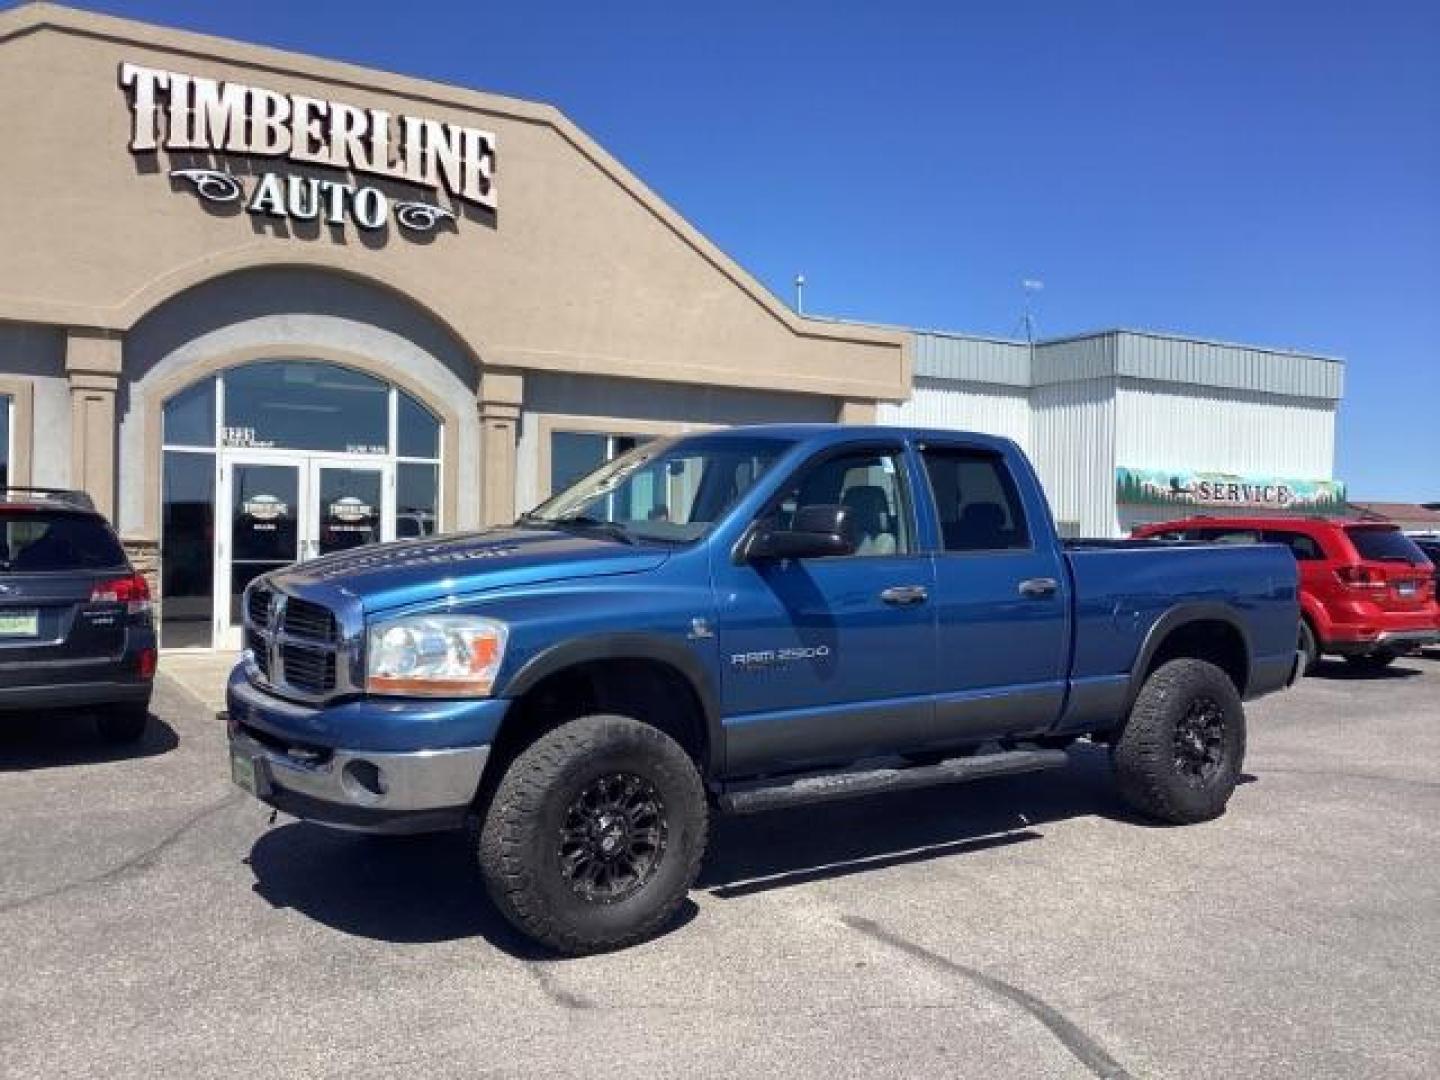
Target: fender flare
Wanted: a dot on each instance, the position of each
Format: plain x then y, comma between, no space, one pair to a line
1173,619
630,646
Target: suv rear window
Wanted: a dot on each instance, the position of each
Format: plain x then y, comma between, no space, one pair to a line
1384,545
40,541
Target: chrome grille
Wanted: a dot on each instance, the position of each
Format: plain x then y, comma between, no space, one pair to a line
308,669
303,619
300,648
257,607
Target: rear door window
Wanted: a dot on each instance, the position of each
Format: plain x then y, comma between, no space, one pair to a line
976,500
39,541
1384,545
1305,548
1226,536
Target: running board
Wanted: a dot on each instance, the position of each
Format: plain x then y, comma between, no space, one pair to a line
827,787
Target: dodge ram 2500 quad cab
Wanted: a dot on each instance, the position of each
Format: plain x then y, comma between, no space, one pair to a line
734,621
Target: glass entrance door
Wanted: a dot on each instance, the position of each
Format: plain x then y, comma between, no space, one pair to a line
261,503
281,508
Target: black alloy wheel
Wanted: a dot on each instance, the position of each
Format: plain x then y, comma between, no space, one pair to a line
613,837
1200,741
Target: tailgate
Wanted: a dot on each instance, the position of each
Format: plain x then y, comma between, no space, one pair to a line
50,631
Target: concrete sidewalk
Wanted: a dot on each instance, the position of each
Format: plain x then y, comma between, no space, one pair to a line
201,673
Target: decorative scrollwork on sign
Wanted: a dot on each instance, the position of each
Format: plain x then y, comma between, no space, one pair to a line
211,184
421,216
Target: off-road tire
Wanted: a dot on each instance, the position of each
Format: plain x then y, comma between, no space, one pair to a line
121,725
1151,770
1371,663
519,845
1309,647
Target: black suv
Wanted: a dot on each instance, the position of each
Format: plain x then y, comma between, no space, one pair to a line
75,623
1430,545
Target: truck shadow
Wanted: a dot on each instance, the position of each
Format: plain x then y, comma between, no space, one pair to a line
782,848
427,889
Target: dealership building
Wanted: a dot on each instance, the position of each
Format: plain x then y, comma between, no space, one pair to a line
262,306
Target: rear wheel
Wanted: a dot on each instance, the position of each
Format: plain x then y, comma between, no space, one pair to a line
1309,648
595,835
1371,663
120,724
1180,753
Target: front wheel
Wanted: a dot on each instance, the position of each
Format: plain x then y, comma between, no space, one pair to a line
1179,756
594,835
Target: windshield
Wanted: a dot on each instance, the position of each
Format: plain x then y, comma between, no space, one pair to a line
1384,544
671,490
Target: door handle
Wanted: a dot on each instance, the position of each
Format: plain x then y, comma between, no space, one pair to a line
1037,588
901,595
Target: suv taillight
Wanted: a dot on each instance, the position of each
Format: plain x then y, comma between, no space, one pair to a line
131,591
1360,577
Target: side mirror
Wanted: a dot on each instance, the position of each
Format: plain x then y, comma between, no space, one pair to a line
817,532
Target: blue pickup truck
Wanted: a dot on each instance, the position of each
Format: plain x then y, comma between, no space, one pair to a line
734,621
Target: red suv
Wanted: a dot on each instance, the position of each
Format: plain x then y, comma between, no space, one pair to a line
1367,593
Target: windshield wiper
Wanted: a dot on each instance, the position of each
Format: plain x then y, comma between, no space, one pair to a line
582,521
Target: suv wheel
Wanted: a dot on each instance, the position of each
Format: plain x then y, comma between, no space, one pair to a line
1179,755
1371,663
121,724
1309,648
594,835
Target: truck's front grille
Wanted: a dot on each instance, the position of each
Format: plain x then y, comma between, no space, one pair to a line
302,619
308,669
297,646
257,607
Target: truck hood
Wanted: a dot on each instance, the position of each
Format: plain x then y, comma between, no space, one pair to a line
385,576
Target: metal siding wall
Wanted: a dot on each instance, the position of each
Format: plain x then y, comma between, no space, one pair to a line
964,406
1076,359
1204,363
1199,427
941,356
1073,435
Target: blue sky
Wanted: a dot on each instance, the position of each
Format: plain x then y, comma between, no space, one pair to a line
1251,171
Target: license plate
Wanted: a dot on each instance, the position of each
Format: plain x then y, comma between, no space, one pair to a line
1406,588
19,623
242,771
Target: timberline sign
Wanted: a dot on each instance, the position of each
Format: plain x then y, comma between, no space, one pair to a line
1184,488
189,114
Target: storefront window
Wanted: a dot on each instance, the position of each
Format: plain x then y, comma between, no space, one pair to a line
574,454
416,503
302,462
306,405
187,550
190,416
417,429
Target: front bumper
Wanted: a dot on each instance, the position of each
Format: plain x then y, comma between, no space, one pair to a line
276,756
367,791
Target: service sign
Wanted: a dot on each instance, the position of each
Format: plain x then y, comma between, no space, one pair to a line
191,115
1206,490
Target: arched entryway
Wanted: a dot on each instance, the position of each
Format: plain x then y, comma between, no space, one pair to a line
277,461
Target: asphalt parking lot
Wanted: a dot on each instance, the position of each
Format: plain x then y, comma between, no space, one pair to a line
153,924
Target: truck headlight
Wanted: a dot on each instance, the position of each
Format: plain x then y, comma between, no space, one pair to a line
435,656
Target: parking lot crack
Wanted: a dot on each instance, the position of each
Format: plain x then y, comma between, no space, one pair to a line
1082,1046
140,861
